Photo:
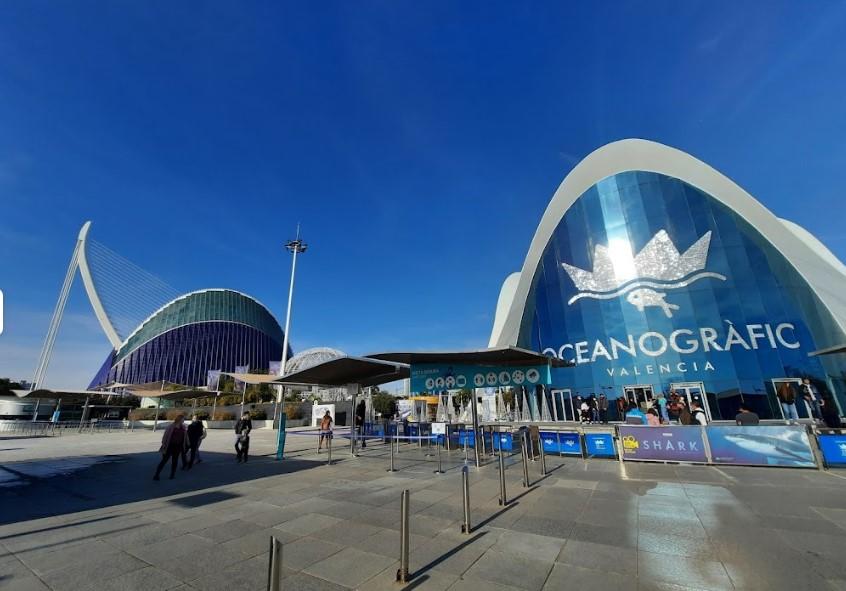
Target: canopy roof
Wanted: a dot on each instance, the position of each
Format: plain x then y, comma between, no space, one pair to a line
253,378
507,356
348,370
828,351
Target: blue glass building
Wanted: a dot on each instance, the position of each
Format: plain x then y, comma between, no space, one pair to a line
213,329
653,273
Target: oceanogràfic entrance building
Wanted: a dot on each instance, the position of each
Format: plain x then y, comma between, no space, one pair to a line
652,272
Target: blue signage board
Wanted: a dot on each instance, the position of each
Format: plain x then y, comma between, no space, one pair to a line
466,436
427,377
664,443
833,448
568,444
504,441
600,445
761,445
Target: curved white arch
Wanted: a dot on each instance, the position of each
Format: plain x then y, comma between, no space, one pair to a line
642,155
91,290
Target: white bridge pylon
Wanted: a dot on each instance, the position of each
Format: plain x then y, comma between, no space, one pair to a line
133,292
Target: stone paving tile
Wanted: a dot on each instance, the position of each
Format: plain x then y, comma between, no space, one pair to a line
530,545
248,575
89,574
544,526
304,552
145,579
610,536
676,545
348,533
386,542
258,542
708,574
308,524
206,562
473,585
349,567
226,531
566,576
54,558
599,557
429,581
166,551
510,569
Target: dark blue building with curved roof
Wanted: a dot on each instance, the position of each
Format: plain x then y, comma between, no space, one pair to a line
211,329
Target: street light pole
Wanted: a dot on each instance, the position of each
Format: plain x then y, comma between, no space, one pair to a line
295,247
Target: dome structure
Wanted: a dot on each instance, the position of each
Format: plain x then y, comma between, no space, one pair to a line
210,329
311,357
655,274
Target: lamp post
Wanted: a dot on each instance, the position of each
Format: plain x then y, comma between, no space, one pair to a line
295,247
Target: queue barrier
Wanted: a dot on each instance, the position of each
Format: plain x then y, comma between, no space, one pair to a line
833,448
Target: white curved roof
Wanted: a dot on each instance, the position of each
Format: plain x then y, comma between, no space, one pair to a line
815,263
311,357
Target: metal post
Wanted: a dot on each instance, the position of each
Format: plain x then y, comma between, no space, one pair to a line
475,415
402,573
466,439
329,458
525,459
391,464
274,567
352,424
502,498
542,455
465,483
438,445
85,412
35,414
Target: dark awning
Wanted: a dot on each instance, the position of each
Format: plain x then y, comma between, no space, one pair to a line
828,351
348,370
507,356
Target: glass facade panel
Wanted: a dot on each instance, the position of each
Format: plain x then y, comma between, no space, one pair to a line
648,280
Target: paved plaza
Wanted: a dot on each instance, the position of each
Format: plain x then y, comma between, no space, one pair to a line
82,512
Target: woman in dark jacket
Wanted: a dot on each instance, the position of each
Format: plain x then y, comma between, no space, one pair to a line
242,437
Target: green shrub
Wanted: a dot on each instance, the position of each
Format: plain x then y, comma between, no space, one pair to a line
175,412
144,414
293,411
258,414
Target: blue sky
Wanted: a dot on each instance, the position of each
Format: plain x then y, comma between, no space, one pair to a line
417,143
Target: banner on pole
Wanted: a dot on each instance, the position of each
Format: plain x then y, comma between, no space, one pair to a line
239,383
213,379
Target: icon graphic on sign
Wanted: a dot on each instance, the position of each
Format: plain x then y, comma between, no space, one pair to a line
518,376
504,378
430,383
533,376
450,382
479,380
460,381
439,383
491,379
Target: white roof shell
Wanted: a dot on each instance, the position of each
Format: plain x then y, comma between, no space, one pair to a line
813,261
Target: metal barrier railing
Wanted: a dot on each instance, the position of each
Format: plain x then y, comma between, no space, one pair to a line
51,428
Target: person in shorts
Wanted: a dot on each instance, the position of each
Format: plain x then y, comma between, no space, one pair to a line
325,430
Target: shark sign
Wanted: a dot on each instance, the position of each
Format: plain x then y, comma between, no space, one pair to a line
643,278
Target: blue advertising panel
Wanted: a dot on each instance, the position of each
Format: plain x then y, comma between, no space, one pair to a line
427,377
833,449
600,445
665,443
568,444
550,442
504,441
466,436
770,445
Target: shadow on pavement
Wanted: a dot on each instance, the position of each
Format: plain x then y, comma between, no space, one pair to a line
51,487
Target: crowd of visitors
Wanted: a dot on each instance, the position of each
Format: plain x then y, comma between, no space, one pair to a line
183,442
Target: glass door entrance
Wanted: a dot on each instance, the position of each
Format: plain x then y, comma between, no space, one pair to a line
640,395
562,403
691,391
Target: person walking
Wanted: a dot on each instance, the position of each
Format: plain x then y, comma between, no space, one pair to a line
621,408
173,446
196,433
603,408
635,416
242,437
697,415
325,431
787,398
745,417
360,412
812,396
662,408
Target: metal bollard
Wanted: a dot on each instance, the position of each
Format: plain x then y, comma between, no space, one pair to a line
525,461
502,498
274,567
542,456
466,439
438,445
465,483
402,573
329,440
391,465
